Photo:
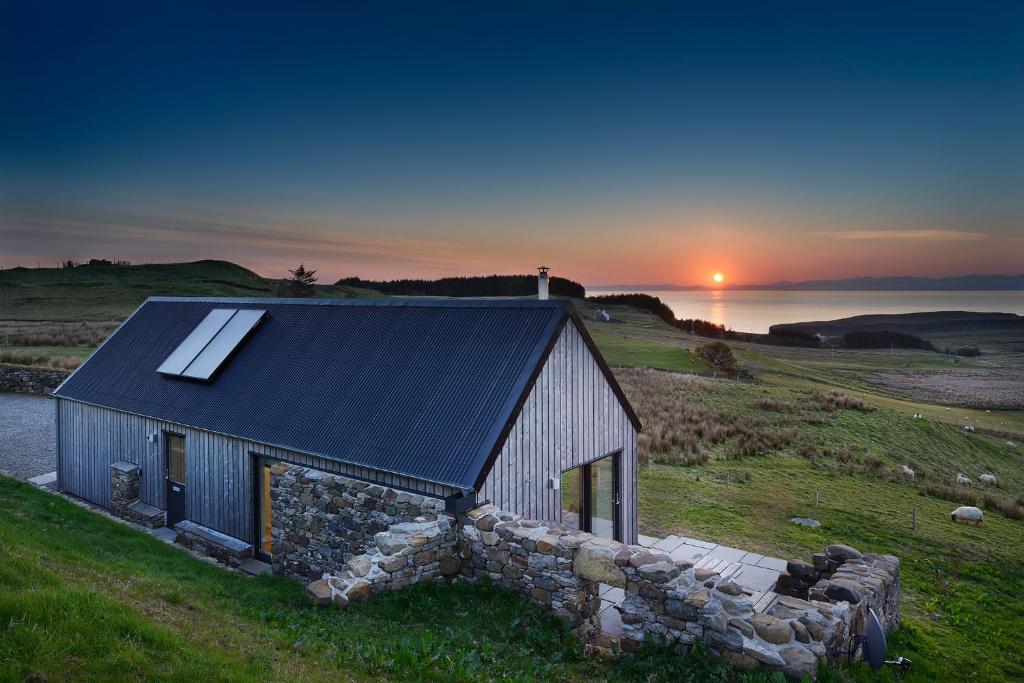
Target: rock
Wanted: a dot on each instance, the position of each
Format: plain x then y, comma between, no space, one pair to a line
799,662
319,592
659,572
340,601
770,628
762,653
806,521
680,610
547,544
390,544
489,538
703,574
838,591
646,557
802,570
595,560
487,523
842,553
814,629
393,563
359,565
450,566
359,590
800,631
820,561
730,588
740,660
698,598
742,626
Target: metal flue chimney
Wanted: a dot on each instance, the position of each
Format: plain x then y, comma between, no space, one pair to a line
542,283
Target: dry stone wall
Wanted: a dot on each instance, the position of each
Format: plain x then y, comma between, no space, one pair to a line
27,380
321,521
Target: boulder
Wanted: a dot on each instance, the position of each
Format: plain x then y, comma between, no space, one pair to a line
360,589
802,570
595,560
319,591
842,553
730,588
765,654
839,591
770,628
800,662
659,572
698,598
359,565
799,631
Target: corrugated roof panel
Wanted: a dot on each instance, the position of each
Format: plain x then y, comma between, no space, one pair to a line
420,388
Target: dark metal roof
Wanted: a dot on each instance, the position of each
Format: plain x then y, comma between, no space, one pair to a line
423,388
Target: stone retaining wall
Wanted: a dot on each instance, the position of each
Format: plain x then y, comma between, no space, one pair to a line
407,553
321,520
544,563
26,380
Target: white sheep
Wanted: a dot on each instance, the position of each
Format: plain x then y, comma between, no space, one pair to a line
907,472
969,428
967,513
962,480
988,479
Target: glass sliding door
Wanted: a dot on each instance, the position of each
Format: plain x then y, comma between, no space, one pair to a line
603,497
572,499
590,497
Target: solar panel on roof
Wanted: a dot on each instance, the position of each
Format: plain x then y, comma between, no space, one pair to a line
223,344
196,342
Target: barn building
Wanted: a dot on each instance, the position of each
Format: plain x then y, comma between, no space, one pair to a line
193,401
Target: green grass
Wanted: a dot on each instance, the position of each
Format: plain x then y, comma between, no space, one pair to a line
85,598
962,585
112,292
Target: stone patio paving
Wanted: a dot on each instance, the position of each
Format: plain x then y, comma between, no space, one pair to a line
753,572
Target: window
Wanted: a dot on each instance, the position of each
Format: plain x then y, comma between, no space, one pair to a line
590,497
176,458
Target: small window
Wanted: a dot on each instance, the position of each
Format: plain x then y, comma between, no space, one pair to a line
176,458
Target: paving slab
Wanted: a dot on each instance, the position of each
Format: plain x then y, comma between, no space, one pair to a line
646,541
256,567
756,578
668,544
700,544
751,558
44,479
687,553
772,563
164,534
726,553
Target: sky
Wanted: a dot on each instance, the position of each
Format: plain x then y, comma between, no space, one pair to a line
648,142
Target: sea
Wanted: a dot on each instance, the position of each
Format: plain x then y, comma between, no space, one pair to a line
757,310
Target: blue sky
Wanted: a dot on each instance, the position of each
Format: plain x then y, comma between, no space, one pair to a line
622,142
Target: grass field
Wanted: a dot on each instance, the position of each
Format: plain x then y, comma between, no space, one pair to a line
732,461
88,599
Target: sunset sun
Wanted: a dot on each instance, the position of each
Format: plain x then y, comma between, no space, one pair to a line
718,277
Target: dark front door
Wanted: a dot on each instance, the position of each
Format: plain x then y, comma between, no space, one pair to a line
590,498
174,447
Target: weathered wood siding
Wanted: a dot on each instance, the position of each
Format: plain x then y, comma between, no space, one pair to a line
219,469
571,417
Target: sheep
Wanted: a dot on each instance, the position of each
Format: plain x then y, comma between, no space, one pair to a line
969,428
967,513
907,472
962,480
988,479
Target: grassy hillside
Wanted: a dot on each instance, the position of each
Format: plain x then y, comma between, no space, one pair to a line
85,598
733,461
112,292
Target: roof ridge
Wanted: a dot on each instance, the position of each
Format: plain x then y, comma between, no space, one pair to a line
427,302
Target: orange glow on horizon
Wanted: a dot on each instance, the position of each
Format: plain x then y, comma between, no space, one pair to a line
718,278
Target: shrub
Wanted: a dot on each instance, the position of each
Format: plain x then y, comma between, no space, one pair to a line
956,494
720,355
774,405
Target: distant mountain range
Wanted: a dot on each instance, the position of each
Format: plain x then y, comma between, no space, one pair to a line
854,284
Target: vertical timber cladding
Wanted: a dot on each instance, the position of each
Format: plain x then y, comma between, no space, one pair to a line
219,468
571,417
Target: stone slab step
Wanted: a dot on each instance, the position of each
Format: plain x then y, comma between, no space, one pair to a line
233,545
44,479
256,567
146,510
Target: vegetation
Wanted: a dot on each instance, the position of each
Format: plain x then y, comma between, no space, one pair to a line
85,598
300,284
719,355
488,285
885,339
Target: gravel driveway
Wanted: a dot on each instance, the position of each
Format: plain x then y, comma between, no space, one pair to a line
27,442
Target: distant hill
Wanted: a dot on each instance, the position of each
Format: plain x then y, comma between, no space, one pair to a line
111,292
863,284
909,323
484,285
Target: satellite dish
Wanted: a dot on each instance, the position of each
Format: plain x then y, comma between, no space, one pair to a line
875,646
